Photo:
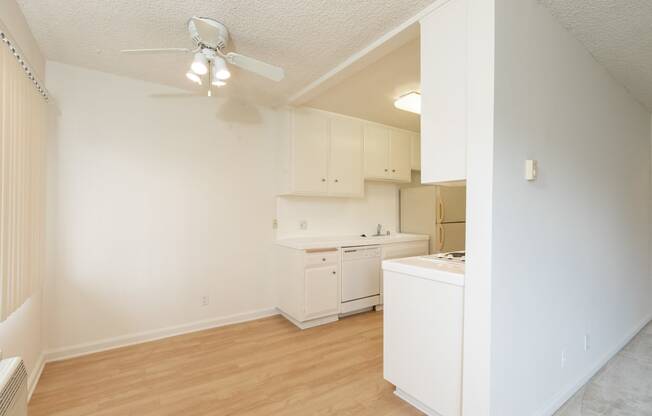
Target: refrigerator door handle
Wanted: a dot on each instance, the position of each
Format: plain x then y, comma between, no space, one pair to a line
442,238
440,216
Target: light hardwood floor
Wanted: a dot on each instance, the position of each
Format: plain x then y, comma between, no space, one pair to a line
264,367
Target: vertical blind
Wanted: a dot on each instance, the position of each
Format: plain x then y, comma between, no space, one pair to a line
22,183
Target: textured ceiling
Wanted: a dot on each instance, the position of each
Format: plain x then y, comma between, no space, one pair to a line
369,94
618,33
306,37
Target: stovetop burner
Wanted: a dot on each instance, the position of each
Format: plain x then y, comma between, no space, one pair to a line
458,256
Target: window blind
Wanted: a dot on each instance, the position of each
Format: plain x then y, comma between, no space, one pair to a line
22,181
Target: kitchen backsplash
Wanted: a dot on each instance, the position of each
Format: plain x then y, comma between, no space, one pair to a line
339,216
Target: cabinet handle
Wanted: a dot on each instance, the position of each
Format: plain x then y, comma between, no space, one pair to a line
386,170
323,179
337,180
323,259
393,170
334,272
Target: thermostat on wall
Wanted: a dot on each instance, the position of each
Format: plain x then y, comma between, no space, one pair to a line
530,170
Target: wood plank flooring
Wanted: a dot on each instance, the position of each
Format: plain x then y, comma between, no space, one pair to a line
264,367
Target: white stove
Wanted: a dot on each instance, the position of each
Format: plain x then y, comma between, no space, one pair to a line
454,256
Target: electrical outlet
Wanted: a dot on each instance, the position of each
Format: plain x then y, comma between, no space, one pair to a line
587,342
303,225
563,358
205,300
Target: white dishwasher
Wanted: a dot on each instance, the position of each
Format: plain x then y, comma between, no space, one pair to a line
360,278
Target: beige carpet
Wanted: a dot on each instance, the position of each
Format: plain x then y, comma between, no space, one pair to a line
623,387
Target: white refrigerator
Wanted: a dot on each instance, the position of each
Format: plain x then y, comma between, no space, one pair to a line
439,211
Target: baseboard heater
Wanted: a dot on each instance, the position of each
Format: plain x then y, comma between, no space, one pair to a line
13,387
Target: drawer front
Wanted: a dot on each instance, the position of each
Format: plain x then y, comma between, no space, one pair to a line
322,258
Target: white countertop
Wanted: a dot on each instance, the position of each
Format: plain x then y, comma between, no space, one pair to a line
305,243
439,270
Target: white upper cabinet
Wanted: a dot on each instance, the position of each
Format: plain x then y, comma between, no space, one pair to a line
346,157
309,152
376,152
400,155
323,156
387,153
443,93
416,151
327,154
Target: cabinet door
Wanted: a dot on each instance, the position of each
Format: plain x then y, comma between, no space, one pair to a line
376,152
321,297
400,155
443,94
309,152
425,363
416,151
345,173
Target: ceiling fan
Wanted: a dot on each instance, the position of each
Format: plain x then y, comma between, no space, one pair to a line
210,58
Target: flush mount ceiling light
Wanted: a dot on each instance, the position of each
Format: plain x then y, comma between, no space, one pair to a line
409,102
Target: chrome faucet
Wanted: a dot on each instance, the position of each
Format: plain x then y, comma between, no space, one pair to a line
379,228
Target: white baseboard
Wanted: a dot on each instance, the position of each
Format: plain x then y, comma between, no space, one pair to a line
35,375
415,403
146,336
558,401
312,323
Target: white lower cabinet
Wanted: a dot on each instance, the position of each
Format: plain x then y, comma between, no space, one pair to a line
321,291
308,284
422,342
402,250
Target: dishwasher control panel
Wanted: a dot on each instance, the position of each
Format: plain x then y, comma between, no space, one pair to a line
354,253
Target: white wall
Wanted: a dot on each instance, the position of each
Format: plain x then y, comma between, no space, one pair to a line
159,201
20,334
340,216
570,251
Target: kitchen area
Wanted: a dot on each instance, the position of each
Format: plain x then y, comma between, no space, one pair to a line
371,211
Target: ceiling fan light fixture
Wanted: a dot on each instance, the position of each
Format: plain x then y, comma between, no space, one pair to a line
199,64
409,102
193,77
220,70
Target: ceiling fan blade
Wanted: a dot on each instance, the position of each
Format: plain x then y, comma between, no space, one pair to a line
254,65
156,50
